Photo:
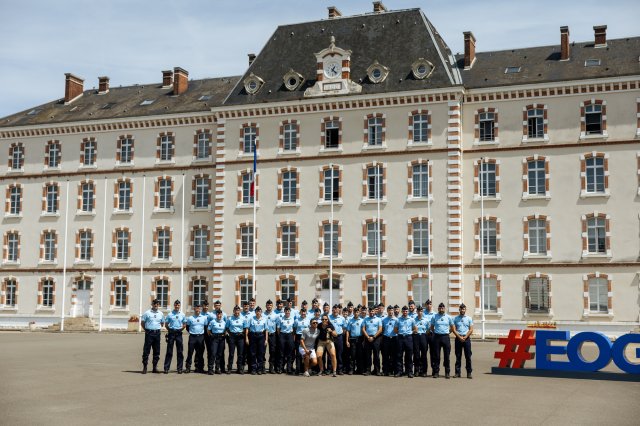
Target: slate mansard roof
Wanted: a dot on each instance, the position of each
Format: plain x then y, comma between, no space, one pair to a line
396,39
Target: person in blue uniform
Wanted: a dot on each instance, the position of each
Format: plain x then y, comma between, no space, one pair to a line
280,312
338,322
285,332
389,343
174,323
216,330
431,346
247,313
256,338
412,309
301,324
272,320
405,327
441,326
217,306
196,325
207,340
235,333
354,343
151,322
462,329
420,346
371,331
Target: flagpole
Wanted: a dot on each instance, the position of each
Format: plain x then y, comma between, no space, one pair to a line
429,229
379,229
331,243
481,182
255,227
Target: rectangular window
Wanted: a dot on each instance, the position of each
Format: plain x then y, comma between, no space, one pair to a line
164,196
372,290
289,186
490,295
486,126
200,244
126,151
373,248
332,134
250,135
596,235
17,157
246,241
420,128
535,123
593,119
13,247
536,177
86,238
289,241
290,137
537,236
538,295
162,292
90,152
489,237
87,197
120,294
247,195
122,244
202,193
51,198
15,200
287,289
166,149
53,156
598,295
330,239
420,288
421,237
595,175
420,180
375,131
199,291
11,288
203,146
487,179
246,290
124,195
49,246
374,183
332,184
47,293
164,244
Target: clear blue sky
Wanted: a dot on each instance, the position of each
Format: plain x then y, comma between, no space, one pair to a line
131,41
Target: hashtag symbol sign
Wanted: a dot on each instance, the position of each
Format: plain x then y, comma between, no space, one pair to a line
516,348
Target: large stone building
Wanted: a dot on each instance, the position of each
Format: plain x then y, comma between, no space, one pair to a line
522,163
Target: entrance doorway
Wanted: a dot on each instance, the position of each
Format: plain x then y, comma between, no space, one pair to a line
83,296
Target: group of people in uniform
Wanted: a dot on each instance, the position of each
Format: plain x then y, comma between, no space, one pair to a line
321,341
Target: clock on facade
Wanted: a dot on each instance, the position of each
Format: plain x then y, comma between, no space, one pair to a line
332,69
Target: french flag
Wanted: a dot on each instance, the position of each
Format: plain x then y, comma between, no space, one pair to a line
252,190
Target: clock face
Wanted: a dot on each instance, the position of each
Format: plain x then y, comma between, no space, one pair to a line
332,69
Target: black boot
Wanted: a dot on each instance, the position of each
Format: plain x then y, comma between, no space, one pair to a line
155,369
144,368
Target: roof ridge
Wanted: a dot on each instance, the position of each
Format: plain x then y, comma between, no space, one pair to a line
342,18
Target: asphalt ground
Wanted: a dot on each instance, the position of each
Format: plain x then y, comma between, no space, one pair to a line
80,379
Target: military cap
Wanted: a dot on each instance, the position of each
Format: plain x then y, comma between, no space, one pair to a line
155,302
269,302
404,308
177,302
419,308
441,305
411,302
287,309
463,306
258,308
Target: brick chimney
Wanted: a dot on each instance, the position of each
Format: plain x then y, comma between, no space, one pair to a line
600,33
565,48
103,85
334,12
167,79
180,81
73,87
378,7
252,57
469,49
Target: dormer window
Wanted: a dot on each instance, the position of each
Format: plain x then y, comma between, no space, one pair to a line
147,102
422,69
252,84
377,72
292,80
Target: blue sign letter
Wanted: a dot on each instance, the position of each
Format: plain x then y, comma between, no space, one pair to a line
574,348
618,353
544,351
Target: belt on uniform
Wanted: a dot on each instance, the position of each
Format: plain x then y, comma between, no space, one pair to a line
390,337
217,334
152,331
257,333
441,334
406,335
236,334
291,332
195,334
272,333
179,331
354,338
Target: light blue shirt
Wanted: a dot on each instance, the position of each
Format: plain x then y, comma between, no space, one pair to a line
413,315
423,324
257,325
247,315
236,324
285,325
405,326
272,320
197,324
175,320
338,323
217,327
462,324
441,323
388,325
302,324
354,327
279,312
152,320
371,325
428,316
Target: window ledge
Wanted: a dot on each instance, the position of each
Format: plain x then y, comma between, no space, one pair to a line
121,261
202,160
247,206
482,143
412,199
47,262
10,263
605,194
242,154
156,261
526,139
282,152
478,313
324,150
411,256
366,257
603,135
368,147
88,166
165,162
280,258
496,198
48,169
169,210
245,259
589,314
412,144
15,171
124,212
10,309
528,256
587,255
527,197
83,262
548,314
46,214
113,310
205,260
323,258
124,165
328,202
83,213
200,209
43,309
281,204
498,256
13,216
373,201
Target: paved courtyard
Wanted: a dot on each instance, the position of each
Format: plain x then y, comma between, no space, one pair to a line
81,379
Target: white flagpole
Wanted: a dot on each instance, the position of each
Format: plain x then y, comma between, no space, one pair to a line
379,229
64,256
144,192
331,242
481,182
429,230
104,230
255,227
182,243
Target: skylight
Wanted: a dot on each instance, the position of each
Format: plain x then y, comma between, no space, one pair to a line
34,111
592,63
204,98
512,70
147,102
108,106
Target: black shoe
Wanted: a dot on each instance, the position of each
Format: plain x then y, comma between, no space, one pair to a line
187,371
456,376
241,371
447,376
350,373
379,373
218,371
228,371
155,370
179,371
366,373
210,373
253,373
423,375
397,375
436,376
166,371
272,370
410,375
340,373
144,369
469,376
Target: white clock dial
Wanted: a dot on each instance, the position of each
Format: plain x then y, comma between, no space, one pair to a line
332,69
